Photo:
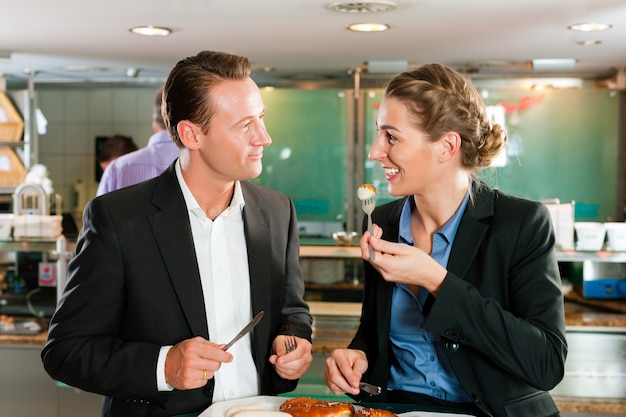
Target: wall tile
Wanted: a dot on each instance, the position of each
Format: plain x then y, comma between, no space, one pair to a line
76,105
100,106
124,106
52,105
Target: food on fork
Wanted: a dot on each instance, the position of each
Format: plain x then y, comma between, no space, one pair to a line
374,412
366,194
309,407
366,191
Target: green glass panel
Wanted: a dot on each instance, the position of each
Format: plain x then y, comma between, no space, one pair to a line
307,158
562,144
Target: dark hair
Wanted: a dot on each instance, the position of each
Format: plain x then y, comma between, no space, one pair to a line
440,100
187,91
157,114
114,146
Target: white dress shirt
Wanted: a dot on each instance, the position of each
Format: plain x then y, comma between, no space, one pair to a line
223,264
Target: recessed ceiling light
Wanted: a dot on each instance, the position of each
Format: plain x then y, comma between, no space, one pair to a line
589,42
368,27
150,31
554,64
589,27
89,69
363,6
386,67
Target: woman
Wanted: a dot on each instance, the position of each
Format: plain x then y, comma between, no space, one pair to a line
462,303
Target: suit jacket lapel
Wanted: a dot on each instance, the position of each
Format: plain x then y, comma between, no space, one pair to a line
390,224
471,231
172,232
258,238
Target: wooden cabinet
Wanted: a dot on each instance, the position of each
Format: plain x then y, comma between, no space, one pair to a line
17,137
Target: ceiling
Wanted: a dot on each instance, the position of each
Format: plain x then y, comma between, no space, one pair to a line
304,41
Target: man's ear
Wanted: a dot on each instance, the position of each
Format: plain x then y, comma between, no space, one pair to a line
450,145
187,132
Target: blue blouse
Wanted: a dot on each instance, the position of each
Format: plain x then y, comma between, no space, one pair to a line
421,364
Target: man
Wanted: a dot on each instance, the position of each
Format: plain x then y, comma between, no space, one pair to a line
144,163
168,270
114,147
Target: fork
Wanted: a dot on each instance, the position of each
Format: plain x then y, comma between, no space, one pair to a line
369,204
290,344
370,389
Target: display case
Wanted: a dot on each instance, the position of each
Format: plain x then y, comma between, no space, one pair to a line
36,271
332,273
595,275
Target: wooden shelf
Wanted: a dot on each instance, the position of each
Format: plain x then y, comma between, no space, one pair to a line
335,286
346,252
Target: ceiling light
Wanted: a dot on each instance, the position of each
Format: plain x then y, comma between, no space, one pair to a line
554,64
87,68
150,31
589,42
368,27
132,72
386,67
363,7
589,27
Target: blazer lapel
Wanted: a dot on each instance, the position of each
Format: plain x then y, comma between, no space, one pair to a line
172,232
258,236
390,223
471,231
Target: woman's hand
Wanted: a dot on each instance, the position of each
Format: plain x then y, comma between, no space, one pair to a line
399,262
344,369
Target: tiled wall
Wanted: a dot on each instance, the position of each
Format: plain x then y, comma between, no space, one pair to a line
76,116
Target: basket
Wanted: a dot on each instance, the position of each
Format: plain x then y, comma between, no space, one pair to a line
12,171
11,123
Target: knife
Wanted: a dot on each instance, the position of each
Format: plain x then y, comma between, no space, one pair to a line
245,330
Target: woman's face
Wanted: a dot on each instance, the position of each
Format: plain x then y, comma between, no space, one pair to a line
404,151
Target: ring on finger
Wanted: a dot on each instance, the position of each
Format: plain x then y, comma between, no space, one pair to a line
204,375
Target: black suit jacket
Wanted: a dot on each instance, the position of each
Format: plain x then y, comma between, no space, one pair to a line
499,311
134,286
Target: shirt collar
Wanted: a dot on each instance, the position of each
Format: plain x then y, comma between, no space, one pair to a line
236,203
448,230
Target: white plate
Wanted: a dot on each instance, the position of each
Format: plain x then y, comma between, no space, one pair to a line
219,409
272,403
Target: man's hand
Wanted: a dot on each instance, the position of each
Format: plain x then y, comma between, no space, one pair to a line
294,364
190,363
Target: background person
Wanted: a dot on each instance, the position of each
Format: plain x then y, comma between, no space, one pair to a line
114,147
168,270
144,163
462,304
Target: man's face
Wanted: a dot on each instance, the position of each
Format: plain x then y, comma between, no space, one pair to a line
233,145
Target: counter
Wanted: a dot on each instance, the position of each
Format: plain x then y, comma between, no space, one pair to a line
581,316
327,338
335,324
23,340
